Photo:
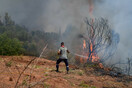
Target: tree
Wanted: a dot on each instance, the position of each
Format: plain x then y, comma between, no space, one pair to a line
30,48
99,37
1,23
8,20
10,46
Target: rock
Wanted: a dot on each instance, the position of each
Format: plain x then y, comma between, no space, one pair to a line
10,79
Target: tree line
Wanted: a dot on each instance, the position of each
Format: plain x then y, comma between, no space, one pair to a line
19,40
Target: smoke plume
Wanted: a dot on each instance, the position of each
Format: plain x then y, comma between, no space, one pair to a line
52,15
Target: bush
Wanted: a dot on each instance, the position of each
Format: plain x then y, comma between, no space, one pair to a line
10,46
8,64
52,55
83,85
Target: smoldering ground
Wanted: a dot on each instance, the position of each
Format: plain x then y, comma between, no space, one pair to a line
52,15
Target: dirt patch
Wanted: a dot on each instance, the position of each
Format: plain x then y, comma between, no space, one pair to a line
41,74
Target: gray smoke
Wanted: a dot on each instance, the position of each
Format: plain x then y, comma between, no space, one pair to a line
25,12
119,13
52,15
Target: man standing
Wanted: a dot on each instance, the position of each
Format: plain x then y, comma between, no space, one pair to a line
63,51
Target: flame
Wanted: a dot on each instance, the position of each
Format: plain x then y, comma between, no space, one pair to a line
84,47
93,56
91,47
83,60
101,65
91,53
84,44
91,6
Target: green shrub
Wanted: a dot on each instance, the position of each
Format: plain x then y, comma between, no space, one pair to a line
37,66
86,85
24,82
8,64
52,55
10,46
46,85
80,73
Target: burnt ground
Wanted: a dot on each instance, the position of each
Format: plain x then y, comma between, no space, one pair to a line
41,74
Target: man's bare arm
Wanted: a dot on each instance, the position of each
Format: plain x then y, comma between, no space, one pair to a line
58,52
68,51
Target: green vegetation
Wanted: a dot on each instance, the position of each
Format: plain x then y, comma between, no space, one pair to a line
24,82
18,40
94,65
37,66
46,74
10,46
83,85
46,85
8,64
52,55
80,73
0,59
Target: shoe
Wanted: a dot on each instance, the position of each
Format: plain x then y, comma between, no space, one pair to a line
67,72
58,71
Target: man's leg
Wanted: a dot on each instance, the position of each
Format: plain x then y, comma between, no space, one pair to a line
66,63
57,64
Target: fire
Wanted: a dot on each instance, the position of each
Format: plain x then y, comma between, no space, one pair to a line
91,54
88,50
94,57
84,44
91,6
84,47
91,47
83,60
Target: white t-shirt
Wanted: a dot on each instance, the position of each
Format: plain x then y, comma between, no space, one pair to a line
63,52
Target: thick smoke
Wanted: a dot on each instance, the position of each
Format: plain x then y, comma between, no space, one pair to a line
52,15
29,13
119,13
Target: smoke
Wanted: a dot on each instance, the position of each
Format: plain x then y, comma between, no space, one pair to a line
119,13
52,15
25,12
91,6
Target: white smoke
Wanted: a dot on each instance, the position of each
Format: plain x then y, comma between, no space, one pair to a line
50,15
119,13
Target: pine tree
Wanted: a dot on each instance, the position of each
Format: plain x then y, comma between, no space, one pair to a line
8,20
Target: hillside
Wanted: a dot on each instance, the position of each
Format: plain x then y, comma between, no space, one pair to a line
41,74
